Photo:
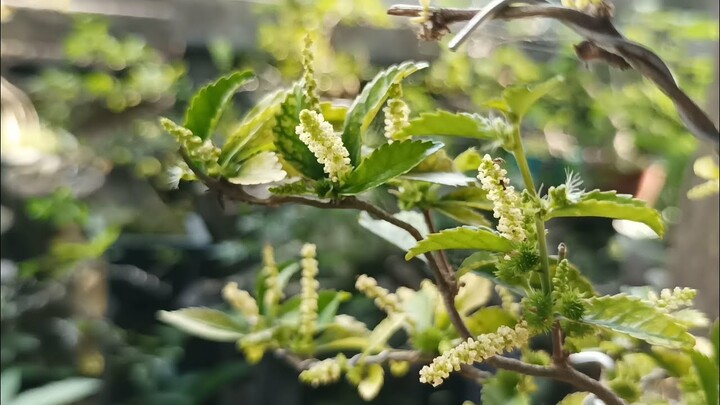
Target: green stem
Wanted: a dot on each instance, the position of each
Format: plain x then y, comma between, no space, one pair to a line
519,153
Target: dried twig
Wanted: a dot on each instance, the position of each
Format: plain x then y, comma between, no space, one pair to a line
602,42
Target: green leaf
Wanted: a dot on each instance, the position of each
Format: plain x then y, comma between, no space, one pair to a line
387,162
464,237
461,213
393,234
502,389
328,303
250,137
473,197
260,169
292,149
63,392
383,332
208,104
708,374
369,102
631,316
286,271
369,387
327,311
468,160
519,99
488,320
205,323
334,114
576,398
9,384
609,204
446,179
445,123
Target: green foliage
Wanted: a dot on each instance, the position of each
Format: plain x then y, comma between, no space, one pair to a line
61,208
208,104
444,123
607,204
61,392
505,388
708,374
369,102
292,149
635,318
206,323
465,237
519,99
387,162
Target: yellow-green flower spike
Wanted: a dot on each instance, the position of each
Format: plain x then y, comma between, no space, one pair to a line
383,298
474,350
397,114
671,300
308,295
506,201
241,301
322,141
323,372
311,93
273,293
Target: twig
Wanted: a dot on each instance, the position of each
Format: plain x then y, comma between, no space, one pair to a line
566,374
603,42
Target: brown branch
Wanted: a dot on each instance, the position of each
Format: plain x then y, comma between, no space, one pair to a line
603,42
566,374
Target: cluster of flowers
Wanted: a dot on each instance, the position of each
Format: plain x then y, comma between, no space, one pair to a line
474,350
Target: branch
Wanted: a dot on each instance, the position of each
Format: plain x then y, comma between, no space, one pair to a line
603,42
561,373
566,374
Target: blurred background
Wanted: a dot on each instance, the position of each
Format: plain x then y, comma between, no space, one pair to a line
94,242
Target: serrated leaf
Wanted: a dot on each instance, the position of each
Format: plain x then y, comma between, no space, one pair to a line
208,104
253,134
631,316
519,99
369,102
708,375
205,323
609,204
387,162
63,392
393,234
445,123
464,237
369,387
260,169
446,179
292,149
